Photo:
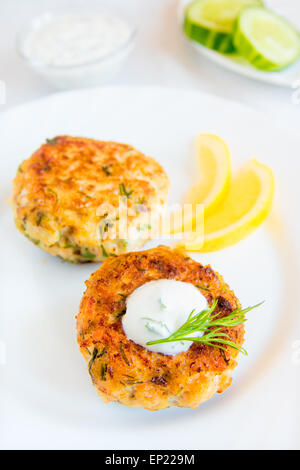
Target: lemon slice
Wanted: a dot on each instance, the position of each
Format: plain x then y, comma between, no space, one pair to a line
214,163
245,207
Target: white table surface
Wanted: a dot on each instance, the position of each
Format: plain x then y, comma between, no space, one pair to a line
161,57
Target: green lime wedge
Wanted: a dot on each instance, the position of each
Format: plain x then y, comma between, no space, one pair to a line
266,40
211,22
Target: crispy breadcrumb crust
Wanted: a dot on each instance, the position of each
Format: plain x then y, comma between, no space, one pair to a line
66,196
125,372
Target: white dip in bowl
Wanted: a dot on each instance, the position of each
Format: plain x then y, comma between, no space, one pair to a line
75,50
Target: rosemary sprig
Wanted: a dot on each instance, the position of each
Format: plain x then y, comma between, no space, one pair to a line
206,321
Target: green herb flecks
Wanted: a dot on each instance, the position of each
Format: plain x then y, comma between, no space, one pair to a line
87,254
103,370
106,170
104,226
33,240
124,192
85,195
70,246
92,360
39,218
130,380
140,228
102,352
51,141
53,193
105,254
203,288
124,355
162,305
70,261
156,326
20,170
141,200
121,314
212,326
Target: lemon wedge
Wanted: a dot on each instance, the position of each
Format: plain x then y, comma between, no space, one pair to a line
247,204
214,164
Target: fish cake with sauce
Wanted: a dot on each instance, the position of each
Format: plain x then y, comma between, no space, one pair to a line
128,373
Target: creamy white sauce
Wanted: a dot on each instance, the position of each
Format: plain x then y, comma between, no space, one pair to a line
157,309
75,39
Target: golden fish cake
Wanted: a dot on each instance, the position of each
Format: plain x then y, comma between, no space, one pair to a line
125,372
66,197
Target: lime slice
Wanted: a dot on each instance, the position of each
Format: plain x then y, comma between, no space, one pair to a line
265,39
211,22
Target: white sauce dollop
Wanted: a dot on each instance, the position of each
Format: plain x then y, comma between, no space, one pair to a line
75,39
157,309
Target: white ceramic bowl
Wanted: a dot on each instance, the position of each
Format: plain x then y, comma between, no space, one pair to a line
89,74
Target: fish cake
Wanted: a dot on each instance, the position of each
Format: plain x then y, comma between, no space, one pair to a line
66,197
125,372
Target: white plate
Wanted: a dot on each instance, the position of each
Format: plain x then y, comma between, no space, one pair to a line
287,78
47,398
